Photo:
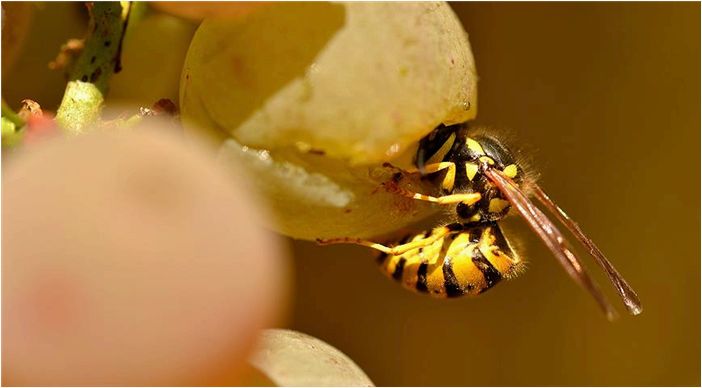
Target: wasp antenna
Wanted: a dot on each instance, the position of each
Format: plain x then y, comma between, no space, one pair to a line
551,236
628,295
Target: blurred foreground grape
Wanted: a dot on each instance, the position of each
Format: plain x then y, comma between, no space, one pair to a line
313,97
131,258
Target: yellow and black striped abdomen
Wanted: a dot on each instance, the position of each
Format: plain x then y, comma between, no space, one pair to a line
467,261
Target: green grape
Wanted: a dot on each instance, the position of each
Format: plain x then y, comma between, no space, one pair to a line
198,10
293,359
314,196
152,58
313,97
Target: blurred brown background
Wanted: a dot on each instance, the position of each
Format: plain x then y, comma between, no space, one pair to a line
608,97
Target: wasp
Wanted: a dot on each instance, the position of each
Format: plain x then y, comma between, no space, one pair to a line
480,178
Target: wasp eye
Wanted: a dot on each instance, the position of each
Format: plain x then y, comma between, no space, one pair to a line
497,151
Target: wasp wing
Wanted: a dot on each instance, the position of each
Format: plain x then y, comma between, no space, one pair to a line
631,300
550,235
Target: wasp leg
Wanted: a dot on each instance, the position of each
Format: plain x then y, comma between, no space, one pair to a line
449,179
391,166
437,234
448,182
466,198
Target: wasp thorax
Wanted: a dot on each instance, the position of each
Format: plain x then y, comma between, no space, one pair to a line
457,159
482,152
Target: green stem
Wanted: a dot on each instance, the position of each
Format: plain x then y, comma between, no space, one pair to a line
10,115
86,90
12,124
11,135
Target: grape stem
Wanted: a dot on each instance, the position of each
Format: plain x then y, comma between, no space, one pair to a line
90,75
11,115
12,124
